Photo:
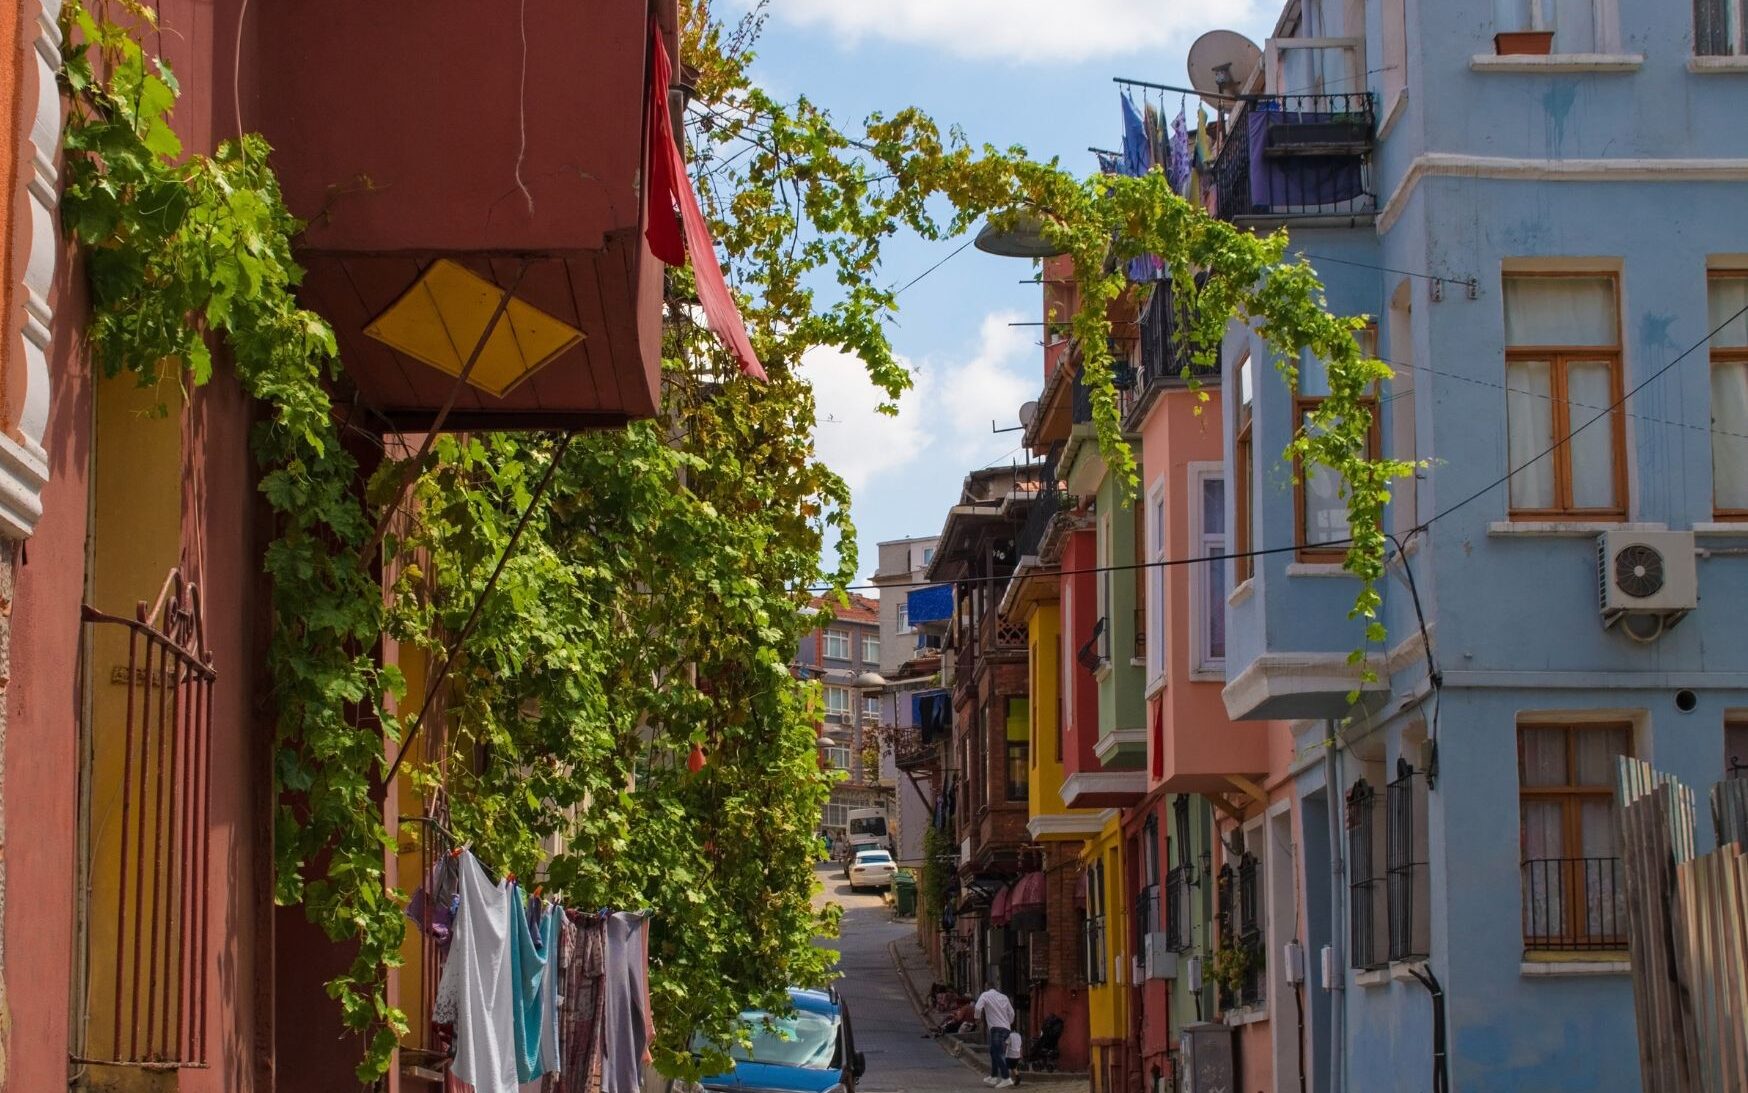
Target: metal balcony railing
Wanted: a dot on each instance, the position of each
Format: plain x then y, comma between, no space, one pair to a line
1409,924
1574,904
1080,400
1177,909
1044,508
1298,155
1096,651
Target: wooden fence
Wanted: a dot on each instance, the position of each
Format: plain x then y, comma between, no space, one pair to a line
1687,931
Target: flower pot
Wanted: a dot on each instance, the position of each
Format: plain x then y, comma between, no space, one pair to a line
1519,42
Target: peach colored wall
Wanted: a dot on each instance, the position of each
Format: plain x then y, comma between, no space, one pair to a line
1199,743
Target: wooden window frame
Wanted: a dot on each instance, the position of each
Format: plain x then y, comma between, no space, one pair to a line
1244,417
1560,358
1726,355
1572,798
1733,753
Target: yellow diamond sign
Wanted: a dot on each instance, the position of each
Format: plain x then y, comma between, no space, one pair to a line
440,319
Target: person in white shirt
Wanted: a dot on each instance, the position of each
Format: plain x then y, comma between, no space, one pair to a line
996,1011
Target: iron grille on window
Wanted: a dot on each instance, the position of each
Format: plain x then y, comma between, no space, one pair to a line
1250,929
1406,861
1224,917
1147,902
1093,948
1574,904
1363,886
151,740
1177,909
1094,653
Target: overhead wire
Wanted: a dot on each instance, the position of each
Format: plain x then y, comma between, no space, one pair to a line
1418,529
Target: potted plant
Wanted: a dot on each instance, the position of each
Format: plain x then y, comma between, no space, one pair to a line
1516,43
1230,965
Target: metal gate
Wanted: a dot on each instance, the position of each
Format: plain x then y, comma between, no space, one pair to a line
156,1000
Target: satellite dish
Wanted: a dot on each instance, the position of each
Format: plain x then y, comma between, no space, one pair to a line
1221,65
1028,412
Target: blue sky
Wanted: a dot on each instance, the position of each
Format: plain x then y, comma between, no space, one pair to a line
1026,72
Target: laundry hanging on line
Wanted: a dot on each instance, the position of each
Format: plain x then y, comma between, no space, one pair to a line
535,992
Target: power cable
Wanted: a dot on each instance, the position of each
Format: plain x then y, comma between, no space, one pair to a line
1417,529
956,252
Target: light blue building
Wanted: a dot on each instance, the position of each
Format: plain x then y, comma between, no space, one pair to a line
1539,236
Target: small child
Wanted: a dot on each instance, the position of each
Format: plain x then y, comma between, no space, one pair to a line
1014,1057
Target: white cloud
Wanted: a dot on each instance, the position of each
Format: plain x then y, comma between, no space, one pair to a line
943,421
1018,30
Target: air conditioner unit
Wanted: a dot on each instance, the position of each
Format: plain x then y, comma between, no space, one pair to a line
1208,1061
1647,573
1160,960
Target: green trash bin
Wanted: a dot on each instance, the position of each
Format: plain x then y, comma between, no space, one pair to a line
904,892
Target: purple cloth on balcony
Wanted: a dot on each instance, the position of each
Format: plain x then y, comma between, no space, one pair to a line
1296,181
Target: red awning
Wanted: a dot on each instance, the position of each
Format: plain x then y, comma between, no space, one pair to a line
669,188
998,911
1028,894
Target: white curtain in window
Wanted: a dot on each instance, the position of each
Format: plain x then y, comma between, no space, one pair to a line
1728,296
1560,311
1730,434
1529,420
1214,573
1589,393
1325,509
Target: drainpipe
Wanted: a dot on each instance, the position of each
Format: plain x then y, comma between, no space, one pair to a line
1338,912
1440,1074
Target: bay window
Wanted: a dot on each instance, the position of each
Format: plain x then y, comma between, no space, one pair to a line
1207,513
1319,493
1243,565
1565,437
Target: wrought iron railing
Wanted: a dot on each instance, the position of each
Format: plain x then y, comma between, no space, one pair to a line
1250,991
1164,355
152,734
1363,883
1093,948
1574,904
1178,891
1080,399
1147,911
1044,508
1298,155
1406,870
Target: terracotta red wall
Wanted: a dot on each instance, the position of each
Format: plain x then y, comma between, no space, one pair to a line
42,696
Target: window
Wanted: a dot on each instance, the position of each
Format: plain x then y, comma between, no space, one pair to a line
1405,863
928,555
1319,494
1573,891
904,626
1139,575
1736,748
871,648
1180,878
837,703
837,815
837,758
1156,576
1106,549
1147,901
1563,370
1019,748
1250,992
871,708
1093,940
837,645
1578,26
1366,943
1208,580
1727,297
1720,28
1243,565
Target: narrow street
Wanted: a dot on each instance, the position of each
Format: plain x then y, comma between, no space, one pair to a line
901,1059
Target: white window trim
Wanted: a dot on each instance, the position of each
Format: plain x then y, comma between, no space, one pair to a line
826,644
1158,666
1203,664
834,689
866,640
1605,18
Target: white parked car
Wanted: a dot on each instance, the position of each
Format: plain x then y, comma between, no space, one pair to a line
872,869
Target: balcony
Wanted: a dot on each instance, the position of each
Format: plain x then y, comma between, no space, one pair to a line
490,226
1044,508
1297,156
1165,359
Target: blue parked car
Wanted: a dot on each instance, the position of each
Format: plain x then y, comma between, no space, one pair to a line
812,1050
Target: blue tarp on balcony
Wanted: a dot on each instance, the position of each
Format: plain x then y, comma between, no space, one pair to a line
931,604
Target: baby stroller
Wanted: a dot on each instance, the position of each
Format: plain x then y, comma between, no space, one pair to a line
1045,1050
